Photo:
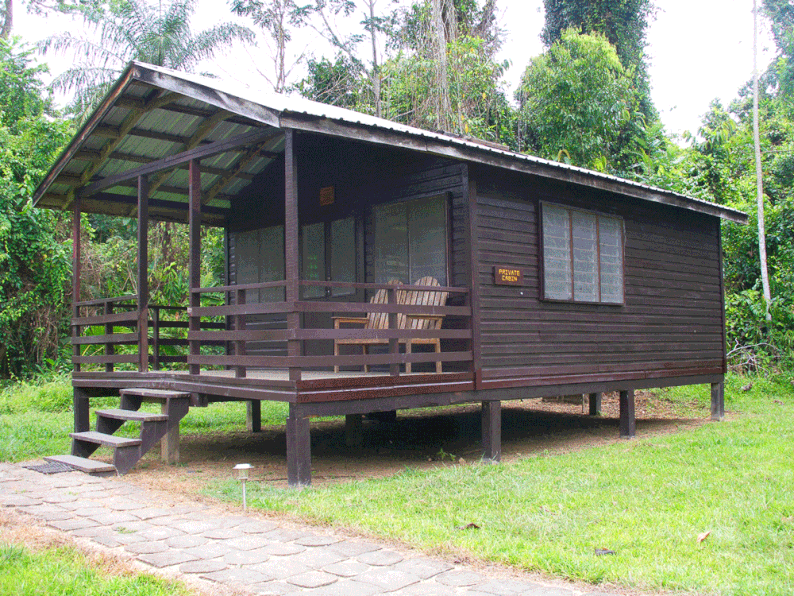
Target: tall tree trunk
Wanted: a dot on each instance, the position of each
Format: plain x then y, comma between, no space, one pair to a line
8,19
442,74
376,77
759,181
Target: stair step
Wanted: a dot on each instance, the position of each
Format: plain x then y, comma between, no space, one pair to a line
89,466
155,394
103,439
132,415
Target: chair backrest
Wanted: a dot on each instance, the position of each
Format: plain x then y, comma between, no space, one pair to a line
380,320
421,298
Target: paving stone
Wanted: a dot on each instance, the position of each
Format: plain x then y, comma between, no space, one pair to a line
387,578
426,589
93,532
312,579
317,540
132,527
211,550
55,515
166,559
280,568
346,568
239,576
107,540
127,505
344,587
381,557
246,557
12,500
70,505
41,508
192,526
257,527
71,524
285,535
283,549
203,566
91,511
247,542
148,512
318,558
114,517
222,533
161,533
505,587
186,541
459,577
424,568
146,548
354,548
273,588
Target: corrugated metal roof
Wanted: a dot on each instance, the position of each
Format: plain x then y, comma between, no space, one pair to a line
162,131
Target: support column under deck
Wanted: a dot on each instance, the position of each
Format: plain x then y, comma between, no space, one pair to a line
595,404
628,423
718,401
81,406
354,435
299,455
253,416
491,431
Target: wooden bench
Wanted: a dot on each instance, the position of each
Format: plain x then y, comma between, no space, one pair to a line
404,321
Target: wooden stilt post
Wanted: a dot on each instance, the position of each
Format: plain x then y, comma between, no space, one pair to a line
80,401
169,444
718,401
253,416
291,247
143,273
595,404
491,431
299,455
76,272
354,435
194,232
628,423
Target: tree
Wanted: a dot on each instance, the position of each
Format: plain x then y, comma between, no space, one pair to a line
35,270
275,18
622,22
576,100
134,30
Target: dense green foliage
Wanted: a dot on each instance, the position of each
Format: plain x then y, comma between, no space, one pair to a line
35,271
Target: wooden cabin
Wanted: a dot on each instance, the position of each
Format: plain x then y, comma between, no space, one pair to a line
373,267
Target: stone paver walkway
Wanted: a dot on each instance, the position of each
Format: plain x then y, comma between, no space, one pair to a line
212,548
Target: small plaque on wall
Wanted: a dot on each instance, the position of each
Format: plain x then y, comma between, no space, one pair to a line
508,276
326,196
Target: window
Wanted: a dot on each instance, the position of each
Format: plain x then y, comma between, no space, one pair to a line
582,256
328,261
260,258
411,240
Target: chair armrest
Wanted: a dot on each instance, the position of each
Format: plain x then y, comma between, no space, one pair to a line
349,320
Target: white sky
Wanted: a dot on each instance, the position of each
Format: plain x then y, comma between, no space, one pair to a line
698,49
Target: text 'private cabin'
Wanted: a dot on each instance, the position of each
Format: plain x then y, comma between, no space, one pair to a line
372,267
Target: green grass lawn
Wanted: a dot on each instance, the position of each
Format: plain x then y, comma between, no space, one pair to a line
66,572
647,499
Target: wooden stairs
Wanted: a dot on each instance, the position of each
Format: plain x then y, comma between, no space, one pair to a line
127,452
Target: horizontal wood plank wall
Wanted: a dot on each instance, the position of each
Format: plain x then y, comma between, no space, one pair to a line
670,325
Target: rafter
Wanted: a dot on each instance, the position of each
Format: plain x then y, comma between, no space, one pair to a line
245,160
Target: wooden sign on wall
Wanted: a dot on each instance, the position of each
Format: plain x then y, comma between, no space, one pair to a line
326,196
508,276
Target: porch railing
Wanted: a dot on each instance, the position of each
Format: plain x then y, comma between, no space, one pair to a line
296,335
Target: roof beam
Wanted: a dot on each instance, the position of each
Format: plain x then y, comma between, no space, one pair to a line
256,136
245,159
132,103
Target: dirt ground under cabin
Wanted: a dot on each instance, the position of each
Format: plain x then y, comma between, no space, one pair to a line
420,439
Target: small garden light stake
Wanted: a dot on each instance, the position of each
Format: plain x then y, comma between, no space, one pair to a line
242,474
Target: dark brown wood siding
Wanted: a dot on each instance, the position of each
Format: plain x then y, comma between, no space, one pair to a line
670,325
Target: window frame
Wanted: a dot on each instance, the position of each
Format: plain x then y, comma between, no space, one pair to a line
328,256
445,198
542,255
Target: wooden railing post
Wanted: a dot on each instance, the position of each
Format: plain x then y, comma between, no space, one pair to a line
76,266
239,326
394,343
109,351
143,273
194,222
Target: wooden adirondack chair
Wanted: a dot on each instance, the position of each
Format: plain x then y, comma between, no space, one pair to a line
409,321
